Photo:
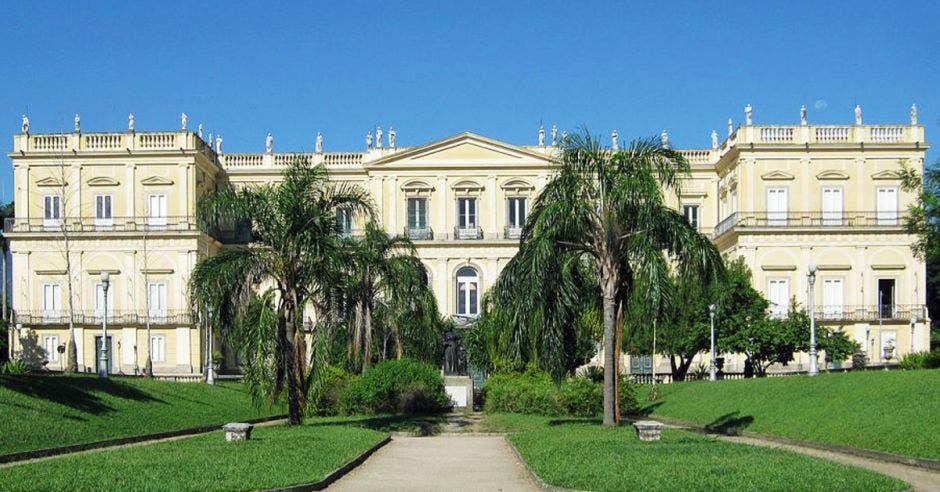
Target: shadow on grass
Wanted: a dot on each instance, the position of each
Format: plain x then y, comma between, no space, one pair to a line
729,424
76,392
422,425
646,410
576,421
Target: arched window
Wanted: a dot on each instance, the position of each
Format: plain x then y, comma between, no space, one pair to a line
468,292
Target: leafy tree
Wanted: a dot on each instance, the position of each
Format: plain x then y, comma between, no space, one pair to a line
605,208
386,278
769,340
836,344
923,220
295,258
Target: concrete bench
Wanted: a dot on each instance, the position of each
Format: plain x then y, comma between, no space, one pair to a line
237,431
648,430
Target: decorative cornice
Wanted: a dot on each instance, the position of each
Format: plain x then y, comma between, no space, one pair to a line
102,181
156,180
777,176
111,271
157,271
778,268
830,268
51,272
832,175
884,266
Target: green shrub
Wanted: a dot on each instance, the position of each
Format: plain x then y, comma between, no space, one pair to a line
325,392
920,360
534,392
396,386
859,361
14,367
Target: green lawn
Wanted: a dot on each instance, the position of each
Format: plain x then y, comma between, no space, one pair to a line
47,411
579,454
895,411
276,456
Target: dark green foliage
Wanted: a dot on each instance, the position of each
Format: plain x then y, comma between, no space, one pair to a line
396,386
534,392
14,367
836,344
324,397
923,220
859,360
921,360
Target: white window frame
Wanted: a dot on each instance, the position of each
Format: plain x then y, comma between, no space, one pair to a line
157,299
690,207
51,300
157,218
50,345
886,216
52,210
468,212
466,287
516,209
832,214
104,211
833,308
420,212
158,348
344,221
777,217
778,308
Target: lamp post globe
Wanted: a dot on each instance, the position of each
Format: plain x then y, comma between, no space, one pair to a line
810,298
103,357
712,370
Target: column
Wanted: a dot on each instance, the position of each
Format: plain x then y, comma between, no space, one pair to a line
442,280
492,206
441,221
130,193
392,211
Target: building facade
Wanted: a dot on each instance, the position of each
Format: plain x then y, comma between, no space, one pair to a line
783,197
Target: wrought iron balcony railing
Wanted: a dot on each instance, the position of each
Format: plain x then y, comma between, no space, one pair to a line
94,317
871,313
845,219
512,232
468,233
419,233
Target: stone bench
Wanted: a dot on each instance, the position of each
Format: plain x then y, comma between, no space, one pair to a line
237,431
648,430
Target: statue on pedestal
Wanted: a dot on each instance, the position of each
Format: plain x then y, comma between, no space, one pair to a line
199,130
554,136
391,137
218,144
269,143
748,114
564,138
378,137
78,123
730,127
615,140
664,137
858,114
913,114
714,139
130,122
541,136
319,144
25,124
369,140
803,115
183,119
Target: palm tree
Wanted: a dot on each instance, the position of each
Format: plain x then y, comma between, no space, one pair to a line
386,275
293,259
608,207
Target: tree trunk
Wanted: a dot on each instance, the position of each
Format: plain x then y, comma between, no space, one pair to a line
3,262
293,369
367,335
610,360
397,336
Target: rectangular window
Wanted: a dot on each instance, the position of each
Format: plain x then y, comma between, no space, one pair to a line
156,211
832,206
467,296
99,300
467,213
344,221
51,211
156,297
777,206
417,213
886,294
691,214
515,216
778,294
158,348
51,300
50,347
887,205
103,215
832,298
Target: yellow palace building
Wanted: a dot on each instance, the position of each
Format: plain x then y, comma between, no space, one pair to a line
781,196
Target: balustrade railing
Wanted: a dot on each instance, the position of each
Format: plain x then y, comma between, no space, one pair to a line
776,134
832,134
864,219
468,233
419,233
113,142
512,232
95,317
281,160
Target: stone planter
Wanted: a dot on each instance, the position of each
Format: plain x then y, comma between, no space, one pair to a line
648,430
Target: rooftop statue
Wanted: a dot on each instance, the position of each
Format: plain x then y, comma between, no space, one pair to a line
269,143
664,137
78,123
615,140
554,136
369,140
803,115
913,114
183,119
391,137
748,114
858,114
130,122
25,124
319,144
714,139
378,137
541,136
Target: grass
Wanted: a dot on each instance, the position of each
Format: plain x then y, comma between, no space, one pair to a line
581,454
47,411
276,456
895,411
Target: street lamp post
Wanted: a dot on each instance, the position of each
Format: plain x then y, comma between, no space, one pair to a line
712,374
210,364
813,363
103,358
913,322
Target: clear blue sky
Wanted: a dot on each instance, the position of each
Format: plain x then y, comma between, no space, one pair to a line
437,68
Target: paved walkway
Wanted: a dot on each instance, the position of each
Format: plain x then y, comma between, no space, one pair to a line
444,462
921,479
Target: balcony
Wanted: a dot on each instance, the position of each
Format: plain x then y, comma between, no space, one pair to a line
770,221
871,313
461,233
512,232
61,317
240,233
419,233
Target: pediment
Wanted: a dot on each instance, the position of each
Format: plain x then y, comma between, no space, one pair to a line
777,176
156,180
465,149
885,175
517,186
832,176
467,185
50,181
103,181
417,187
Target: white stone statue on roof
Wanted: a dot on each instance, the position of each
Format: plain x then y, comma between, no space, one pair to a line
803,115
199,130
269,143
319,144
369,140
218,144
858,114
664,138
554,136
748,114
913,114
541,136
78,123
714,139
391,137
378,137
615,140
130,122
25,124
183,119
